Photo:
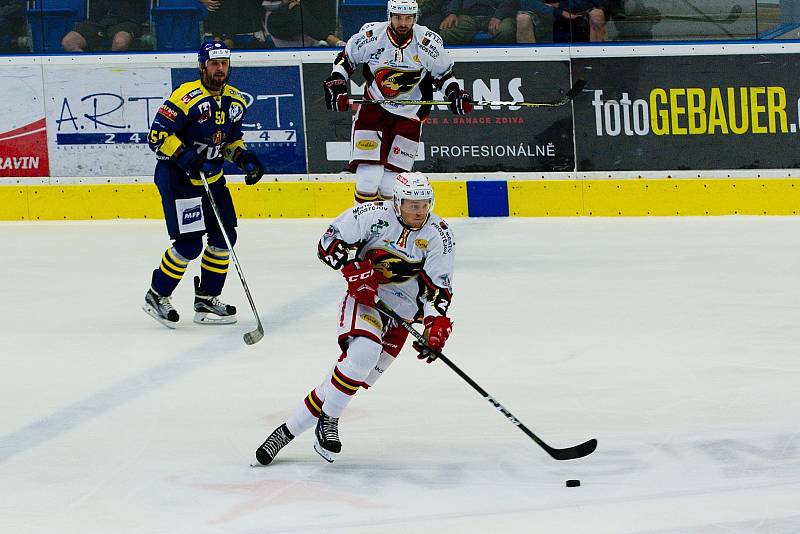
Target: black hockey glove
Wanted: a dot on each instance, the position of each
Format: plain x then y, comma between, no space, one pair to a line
460,100
336,98
251,165
188,160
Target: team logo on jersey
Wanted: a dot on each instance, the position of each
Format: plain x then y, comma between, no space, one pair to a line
218,138
393,82
369,34
425,41
190,95
168,112
392,268
236,111
367,144
204,110
422,243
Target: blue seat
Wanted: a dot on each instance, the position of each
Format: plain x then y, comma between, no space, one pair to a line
51,20
355,13
177,24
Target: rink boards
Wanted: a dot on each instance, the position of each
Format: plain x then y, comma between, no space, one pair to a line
687,129
490,198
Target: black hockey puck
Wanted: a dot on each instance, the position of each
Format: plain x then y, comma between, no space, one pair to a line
573,483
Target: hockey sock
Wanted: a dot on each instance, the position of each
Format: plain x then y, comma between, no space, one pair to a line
214,269
386,190
306,414
169,273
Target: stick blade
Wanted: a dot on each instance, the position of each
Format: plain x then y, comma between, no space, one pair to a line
576,89
573,453
251,338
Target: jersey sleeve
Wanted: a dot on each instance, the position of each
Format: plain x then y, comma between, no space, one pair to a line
436,276
441,68
343,233
355,51
169,121
237,110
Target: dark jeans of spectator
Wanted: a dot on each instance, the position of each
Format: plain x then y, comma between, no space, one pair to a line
315,18
99,33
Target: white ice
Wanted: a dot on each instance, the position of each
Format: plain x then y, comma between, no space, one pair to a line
673,341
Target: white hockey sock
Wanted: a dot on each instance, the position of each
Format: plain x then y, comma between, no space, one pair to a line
368,179
383,363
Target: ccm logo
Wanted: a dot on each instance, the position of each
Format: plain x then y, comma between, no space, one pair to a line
357,277
192,214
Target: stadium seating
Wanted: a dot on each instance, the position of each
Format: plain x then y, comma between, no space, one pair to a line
177,24
50,20
355,13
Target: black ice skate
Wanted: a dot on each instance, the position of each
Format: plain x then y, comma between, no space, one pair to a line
279,438
160,308
327,445
209,309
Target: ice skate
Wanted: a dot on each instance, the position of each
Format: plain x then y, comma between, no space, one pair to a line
327,445
209,309
279,438
160,308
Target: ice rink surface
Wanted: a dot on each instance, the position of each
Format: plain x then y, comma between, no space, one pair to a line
673,341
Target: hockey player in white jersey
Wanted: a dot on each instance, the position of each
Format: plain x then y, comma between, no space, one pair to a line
401,60
404,256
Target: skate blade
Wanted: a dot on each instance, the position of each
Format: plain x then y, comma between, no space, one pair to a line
152,313
255,463
327,455
210,318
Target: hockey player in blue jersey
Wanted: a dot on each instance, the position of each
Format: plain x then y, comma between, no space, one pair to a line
196,129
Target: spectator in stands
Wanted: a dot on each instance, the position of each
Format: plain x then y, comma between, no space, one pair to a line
431,13
110,23
574,20
297,23
235,22
12,25
465,18
530,27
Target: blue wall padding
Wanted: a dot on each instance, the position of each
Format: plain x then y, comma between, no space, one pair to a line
487,198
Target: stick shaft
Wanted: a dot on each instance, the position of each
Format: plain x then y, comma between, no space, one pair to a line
569,453
256,335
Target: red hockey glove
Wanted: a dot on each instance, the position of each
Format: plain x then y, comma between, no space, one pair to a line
362,283
336,98
437,330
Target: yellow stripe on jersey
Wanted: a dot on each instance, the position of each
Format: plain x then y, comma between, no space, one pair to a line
211,179
170,145
230,149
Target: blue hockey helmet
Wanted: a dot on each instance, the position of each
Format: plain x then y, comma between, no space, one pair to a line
213,50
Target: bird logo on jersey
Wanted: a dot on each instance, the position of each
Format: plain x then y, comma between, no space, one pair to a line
393,82
392,269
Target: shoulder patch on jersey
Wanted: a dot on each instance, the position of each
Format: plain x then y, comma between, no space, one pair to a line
234,93
444,233
236,112
167,112
194,93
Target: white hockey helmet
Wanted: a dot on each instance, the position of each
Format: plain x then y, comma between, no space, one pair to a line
401,7
412,186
